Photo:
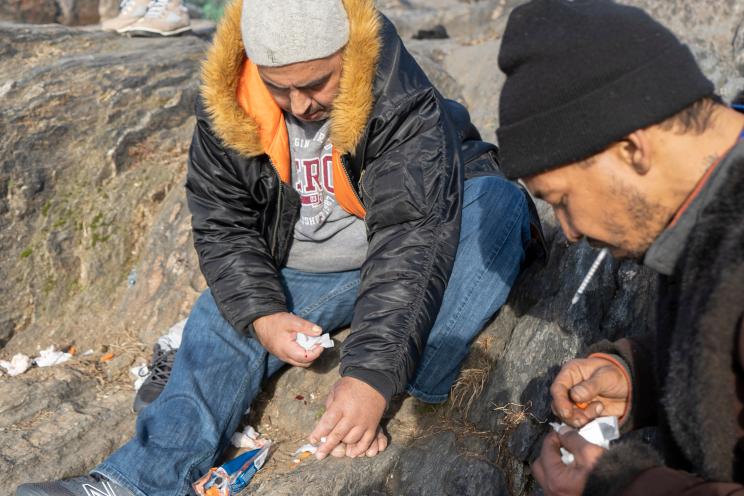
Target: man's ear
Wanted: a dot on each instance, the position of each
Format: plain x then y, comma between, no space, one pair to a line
636,151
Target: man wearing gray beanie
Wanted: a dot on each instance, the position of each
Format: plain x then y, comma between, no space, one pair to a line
606,116
330,185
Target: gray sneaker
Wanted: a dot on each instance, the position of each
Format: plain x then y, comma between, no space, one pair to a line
163,18
89,485
160,368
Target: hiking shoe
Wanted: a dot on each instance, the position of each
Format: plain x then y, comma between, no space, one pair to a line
163,18
159,368
130,11
89,485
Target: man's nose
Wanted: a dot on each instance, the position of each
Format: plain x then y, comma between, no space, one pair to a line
299,102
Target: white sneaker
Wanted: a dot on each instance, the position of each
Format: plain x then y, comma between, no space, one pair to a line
163,17
130,11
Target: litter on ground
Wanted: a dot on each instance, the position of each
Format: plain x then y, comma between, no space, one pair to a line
51,356
17,365
248,439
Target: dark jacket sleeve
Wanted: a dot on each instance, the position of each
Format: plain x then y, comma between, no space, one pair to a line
633,468
233,255
412,189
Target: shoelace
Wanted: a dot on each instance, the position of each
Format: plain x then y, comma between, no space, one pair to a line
156,8
161,367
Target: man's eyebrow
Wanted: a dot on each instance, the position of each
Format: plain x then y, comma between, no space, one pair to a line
310,84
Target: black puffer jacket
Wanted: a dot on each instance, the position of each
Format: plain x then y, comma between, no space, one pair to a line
404,150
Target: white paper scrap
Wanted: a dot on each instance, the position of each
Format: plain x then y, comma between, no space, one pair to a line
305,448
307,342
248,439
599,431
17,365
51,356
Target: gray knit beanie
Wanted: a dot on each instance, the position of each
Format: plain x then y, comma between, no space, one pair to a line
283,32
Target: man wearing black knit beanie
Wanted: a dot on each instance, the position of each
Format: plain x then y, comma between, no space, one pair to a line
606,116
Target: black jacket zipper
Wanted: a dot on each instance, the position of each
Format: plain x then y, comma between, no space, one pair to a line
275,233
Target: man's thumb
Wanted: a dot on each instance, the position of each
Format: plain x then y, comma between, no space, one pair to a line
305,326
584,392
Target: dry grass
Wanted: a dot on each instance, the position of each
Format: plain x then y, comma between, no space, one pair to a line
467,389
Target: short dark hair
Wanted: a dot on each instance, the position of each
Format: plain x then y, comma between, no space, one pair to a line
693,119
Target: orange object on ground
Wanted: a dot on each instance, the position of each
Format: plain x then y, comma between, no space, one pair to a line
107,357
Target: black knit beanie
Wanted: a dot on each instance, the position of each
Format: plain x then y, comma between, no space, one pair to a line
582,75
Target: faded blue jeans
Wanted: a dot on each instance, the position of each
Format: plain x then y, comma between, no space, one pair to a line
218,372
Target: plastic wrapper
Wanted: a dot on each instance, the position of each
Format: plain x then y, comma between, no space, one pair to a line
232,477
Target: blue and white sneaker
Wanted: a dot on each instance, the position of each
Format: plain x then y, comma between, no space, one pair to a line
89,485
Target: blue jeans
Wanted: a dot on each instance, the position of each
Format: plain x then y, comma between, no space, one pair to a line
218,372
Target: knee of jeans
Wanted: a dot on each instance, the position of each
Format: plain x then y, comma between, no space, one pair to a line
180,421
495,193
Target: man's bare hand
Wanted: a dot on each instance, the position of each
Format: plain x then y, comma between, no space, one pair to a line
278,334
377,446
588,388
352,417
557,479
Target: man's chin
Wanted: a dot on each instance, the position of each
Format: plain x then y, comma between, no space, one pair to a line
617,252
623,254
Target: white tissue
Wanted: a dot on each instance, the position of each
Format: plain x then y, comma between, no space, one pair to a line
17,365
248,439
307,342
51,356
309,448
599,431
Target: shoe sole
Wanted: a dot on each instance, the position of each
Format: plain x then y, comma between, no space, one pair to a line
151,32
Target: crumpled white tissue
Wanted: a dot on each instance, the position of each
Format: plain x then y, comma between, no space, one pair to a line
51,356
248,439
17,365
307,342
599,431
140,372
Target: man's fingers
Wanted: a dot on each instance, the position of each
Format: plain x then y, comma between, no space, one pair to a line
339,451
378,444
363,444
333,439
382,440
354,436
550,455
586,391
577,445
538,472
374,448
562,404
325,425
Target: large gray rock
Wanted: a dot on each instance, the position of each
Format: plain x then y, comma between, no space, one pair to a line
97,252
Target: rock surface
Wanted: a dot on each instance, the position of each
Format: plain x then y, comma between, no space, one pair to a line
96,253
